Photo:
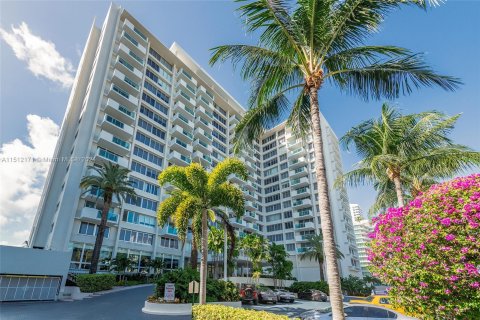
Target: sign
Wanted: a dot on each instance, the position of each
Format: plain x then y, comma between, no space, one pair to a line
169,292
193,287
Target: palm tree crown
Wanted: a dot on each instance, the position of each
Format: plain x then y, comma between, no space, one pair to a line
196,194
304,45
111,181
405,153
315,252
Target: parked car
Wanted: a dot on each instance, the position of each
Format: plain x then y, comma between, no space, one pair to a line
249,294
357,312
266,295
312,294
377,300
284,295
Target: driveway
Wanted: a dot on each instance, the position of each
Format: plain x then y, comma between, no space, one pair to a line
289,309
126,304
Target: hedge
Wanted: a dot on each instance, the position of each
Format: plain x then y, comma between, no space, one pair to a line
218,312
300,286
95,282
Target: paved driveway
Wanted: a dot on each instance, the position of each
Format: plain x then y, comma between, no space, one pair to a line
120,305
290,309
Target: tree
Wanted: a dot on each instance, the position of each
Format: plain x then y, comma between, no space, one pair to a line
429,251
121,264
157,265
216,240
255,247
280,267
405,153
196,192
110,181
307,44
315,251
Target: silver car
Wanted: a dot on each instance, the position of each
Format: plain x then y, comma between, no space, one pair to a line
356,312
284,295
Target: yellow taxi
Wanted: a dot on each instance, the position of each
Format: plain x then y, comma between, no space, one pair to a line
382,301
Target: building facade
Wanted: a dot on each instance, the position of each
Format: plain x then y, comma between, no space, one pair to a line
362,228
144,106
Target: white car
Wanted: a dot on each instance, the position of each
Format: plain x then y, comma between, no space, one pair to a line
284,295
356,312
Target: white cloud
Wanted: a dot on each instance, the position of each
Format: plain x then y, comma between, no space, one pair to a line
42,59
22,182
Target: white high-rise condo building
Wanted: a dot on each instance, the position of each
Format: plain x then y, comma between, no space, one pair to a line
144,106
362,228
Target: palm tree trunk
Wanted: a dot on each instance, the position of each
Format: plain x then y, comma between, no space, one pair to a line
101,231
322,276
398,190
194,253
333,274
203,263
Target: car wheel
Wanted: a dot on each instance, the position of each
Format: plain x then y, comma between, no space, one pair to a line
255,302
291,301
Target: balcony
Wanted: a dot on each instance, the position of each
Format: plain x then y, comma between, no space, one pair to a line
181,120
185,75
139,36
203,135
297,153
300,192
301,238
179,159
305,225
302,249
129,40
302,214
103,155
206,160
95,215
125,83
235,179
204,124
204,102
122,97
131,57
202,112
181,108
179,132
120,112
181,146
202,146
116,127
238,222
299,172
249,205
299,182
249,226
302,203
234,119
294,143
183,96
249,215
205,93
295,163
126,67
111,142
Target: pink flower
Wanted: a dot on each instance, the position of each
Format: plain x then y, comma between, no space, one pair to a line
475,284
423,284
449,237
446,221
454,278
448,291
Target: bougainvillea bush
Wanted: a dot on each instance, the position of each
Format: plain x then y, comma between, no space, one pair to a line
429,251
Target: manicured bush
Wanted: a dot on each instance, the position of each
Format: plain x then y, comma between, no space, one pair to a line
217,290
217,312
429,251
95,282
354,286
300,286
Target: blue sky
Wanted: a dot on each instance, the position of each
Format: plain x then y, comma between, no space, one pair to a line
449,35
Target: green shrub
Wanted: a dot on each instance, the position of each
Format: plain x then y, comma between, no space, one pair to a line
95,282
217,290
218,312
300,286
355,286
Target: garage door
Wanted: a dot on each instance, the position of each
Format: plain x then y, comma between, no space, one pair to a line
22,288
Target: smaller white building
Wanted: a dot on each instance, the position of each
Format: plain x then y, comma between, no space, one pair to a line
362,228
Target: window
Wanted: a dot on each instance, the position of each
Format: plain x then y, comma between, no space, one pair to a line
290,247
219,136
152,115
289,236
219,127
144,186
138,218
169,243
269,154
144,154
270,163
289,225
287,214
284,175
274,217
142,202
272,198
268,139
274,227
275,237
219,118
151,128
156,92
286,194
165,86
270,180
91,229
271,171
287,204
272,189
147,171
136,236
150,142
154,103
283,157
273,207
157,56
157,68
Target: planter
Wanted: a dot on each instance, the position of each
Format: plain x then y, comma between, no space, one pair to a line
170,309
167,309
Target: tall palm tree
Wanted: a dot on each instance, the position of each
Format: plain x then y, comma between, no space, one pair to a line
277,258
316,252
197,192
255,247
111,180
305,45
405,153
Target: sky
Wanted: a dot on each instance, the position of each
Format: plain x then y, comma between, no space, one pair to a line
41,43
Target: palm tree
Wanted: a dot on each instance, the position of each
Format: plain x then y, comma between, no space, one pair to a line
157,265
255,247
216,240
111,181
277,258
303,46
121,264
316,252
196,193
405,153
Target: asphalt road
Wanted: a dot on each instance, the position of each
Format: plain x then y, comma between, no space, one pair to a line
290,309
120,305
